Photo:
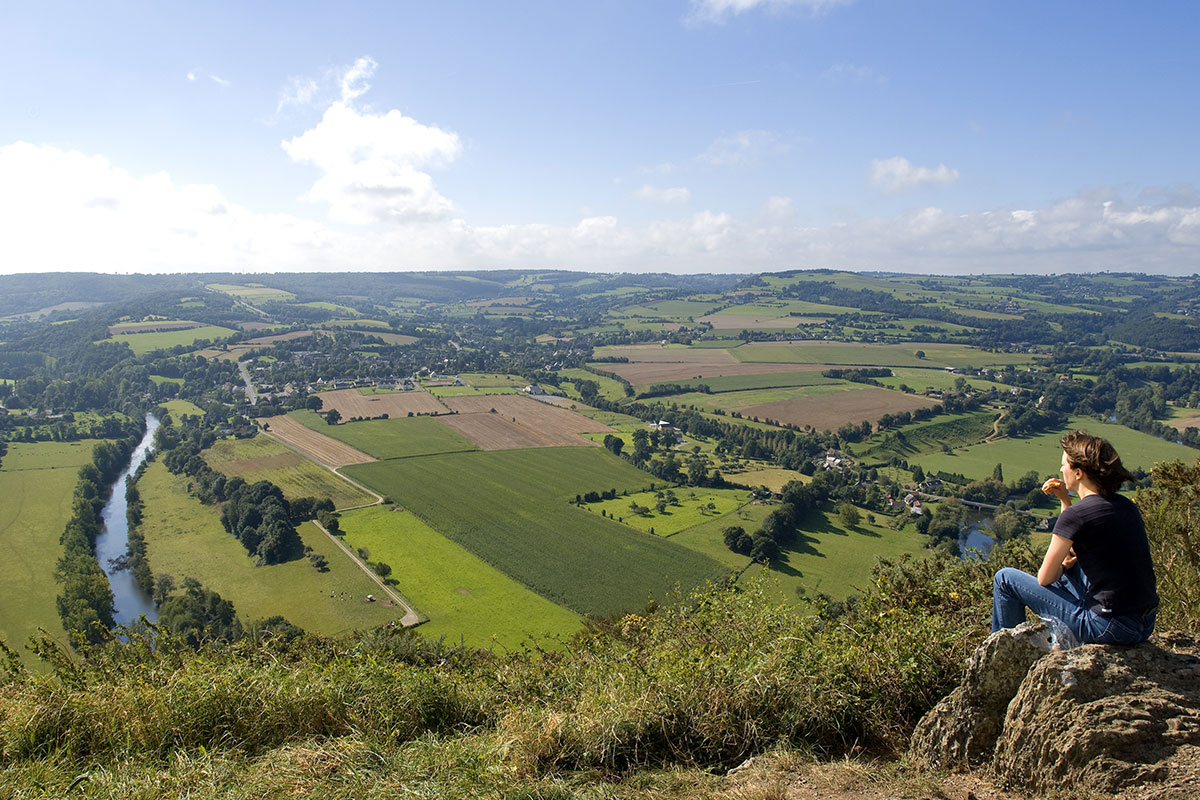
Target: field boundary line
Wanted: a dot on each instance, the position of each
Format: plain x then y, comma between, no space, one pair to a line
411,617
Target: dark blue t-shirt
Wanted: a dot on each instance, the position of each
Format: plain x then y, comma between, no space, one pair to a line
1109,538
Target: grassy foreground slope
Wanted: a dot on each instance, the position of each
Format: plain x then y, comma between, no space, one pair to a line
512,509
465,599
37,482
184,538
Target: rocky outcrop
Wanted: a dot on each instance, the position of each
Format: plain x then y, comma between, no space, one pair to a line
1117,720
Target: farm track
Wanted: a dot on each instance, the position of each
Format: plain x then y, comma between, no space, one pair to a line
326,451
995,434
411,617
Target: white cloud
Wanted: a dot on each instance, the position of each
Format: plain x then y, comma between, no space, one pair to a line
719,10
373,164
63,210
742,148
298,92
219,79
677,194
892,175
195,75
354,80
191,76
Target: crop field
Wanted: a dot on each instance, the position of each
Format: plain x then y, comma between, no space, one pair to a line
499,301
513,510
758,380
324,305
149,326
182,408
1042,452
501,422
1183,418
349,403
142,343
879,355
264,459
37,485
465,598
252,291
691,510
783,308
391,438
663,354
641,374
184,538
316,446
829,410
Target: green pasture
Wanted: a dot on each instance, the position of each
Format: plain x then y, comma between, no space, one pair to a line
513,509
927,436
691,509
334,308
368,391
401,437
881,355
152,323
1042,451
784,308
358,322
252,291
610,389
182,408
37,486
264,459
465,599
184,538
939,379
736,401
765,380
774,478
613,419
469,391
979,313
159,380
491,380
671,310
145,342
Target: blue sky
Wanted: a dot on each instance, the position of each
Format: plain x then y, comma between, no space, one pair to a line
687,136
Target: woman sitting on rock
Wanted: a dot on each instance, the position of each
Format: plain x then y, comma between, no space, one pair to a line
1096,579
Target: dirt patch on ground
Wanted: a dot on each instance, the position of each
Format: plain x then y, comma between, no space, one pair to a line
518,422
1183,423
319,447
659,373
351,403
499,301
829,411
254,326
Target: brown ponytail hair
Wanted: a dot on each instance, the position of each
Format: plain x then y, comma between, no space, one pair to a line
1098,460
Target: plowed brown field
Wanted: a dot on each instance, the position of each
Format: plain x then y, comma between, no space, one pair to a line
518,422
657,354
350,403
638,374
319,447
832,410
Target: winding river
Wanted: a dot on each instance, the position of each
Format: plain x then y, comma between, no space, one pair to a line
113,541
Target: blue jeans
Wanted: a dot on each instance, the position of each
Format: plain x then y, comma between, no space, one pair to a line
1064,600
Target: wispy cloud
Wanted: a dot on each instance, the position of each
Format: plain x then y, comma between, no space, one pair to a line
717,11
742,148
857,73
354,80
676,194
892,175
196,74
298,92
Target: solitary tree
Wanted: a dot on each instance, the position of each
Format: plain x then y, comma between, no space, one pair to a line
849,515
333,417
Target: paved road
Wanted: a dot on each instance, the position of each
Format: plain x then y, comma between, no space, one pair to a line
250,393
